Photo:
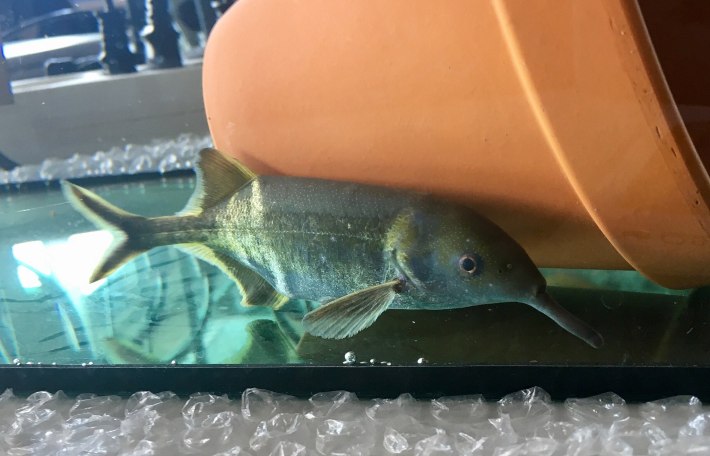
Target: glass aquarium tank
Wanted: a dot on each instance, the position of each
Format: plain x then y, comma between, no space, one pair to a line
200,195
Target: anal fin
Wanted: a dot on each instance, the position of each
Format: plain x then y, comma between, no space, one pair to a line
347,316
255,290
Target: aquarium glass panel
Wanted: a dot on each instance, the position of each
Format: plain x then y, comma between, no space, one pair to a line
353,186
168,305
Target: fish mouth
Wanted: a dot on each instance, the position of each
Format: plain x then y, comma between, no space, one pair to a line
543,302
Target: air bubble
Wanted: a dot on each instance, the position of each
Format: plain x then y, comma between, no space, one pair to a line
350,358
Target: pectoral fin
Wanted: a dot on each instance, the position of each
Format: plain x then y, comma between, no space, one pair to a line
254,289
352,313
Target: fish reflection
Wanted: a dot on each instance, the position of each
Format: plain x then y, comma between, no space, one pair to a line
167,306
164,306
121,351
356,249
266,344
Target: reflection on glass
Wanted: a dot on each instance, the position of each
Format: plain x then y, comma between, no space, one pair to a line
167,306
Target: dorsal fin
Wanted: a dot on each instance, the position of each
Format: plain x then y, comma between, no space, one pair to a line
218,177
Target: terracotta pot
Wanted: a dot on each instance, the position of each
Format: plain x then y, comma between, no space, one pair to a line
552,118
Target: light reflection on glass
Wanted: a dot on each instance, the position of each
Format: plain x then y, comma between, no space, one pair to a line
28,278
69,262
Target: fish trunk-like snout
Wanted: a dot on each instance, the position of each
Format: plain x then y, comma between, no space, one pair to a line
546,304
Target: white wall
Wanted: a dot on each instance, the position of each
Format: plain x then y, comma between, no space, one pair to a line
83,113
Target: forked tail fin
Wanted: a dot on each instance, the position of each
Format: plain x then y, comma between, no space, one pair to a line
106,216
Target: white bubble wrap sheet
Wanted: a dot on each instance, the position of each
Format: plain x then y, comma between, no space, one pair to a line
161,156
338,423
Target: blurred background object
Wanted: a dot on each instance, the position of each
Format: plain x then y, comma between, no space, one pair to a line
5,90
50,37
65,33
143,58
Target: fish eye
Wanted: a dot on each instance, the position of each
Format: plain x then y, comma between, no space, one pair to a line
468,263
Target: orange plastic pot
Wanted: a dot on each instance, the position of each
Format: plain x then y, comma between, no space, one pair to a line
552,118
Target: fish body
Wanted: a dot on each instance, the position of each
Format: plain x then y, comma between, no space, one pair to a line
310,239
357,249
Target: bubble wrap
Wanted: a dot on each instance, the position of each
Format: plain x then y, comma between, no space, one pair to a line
338,423
161,156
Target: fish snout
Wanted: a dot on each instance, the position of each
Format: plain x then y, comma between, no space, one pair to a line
543,302
540,289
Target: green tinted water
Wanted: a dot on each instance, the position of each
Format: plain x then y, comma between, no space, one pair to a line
166,306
